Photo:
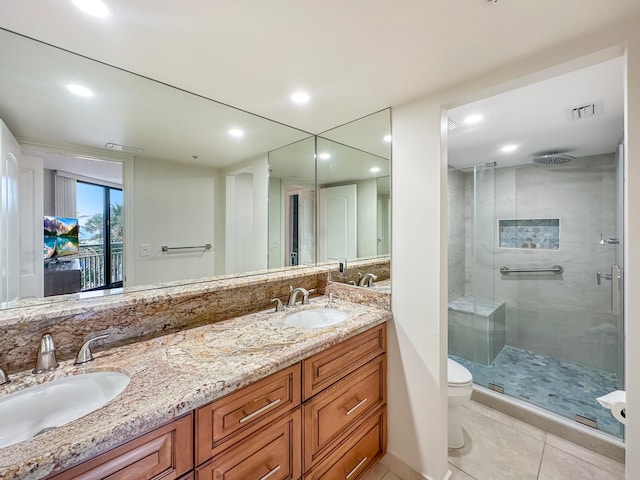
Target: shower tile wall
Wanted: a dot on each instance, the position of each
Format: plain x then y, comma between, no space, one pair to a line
563,316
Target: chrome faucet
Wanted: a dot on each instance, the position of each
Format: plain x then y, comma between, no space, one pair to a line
367,279
85,355
293,296
46,360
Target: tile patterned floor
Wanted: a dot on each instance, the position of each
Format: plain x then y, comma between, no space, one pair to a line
563,388
499,447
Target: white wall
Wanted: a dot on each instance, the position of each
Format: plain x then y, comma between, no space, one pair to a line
367,218
418,339
174,206
247,216
417,382
276,223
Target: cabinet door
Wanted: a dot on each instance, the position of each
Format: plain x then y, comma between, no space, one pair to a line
272,453
325,368
165,453
328,414
237,412
360,451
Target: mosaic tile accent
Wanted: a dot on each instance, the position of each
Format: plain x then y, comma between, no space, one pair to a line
563,388
538,233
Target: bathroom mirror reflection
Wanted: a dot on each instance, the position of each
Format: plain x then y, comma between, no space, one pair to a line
138,139
353,219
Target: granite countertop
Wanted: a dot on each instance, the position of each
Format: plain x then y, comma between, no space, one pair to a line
383,286
172,375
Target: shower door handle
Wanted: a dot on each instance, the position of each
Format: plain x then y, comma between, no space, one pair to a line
615,289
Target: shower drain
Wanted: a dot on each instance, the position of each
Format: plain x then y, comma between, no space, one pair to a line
496,388
588,421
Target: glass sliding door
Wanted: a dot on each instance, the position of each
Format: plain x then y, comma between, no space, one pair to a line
100,214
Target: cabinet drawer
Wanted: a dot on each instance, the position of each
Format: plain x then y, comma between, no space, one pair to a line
354,457
327,415
218,421
165,453
325,368
272,453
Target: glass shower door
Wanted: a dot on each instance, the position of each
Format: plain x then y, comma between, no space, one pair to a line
543,292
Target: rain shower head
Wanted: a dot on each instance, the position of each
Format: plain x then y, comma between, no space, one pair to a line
553,159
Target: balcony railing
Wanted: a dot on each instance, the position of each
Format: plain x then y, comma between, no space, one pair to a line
92,265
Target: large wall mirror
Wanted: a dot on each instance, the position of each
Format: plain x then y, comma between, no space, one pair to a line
147,170
353,172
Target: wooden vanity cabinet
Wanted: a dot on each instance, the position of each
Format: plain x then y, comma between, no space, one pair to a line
271,452
344,416
165,453
322,418
253,433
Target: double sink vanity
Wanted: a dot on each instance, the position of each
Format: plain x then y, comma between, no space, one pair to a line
298,393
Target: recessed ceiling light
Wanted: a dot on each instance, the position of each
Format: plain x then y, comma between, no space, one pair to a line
509,148
472,119
324,156
236,132
79,90
95,8
387,138
300,97
374,169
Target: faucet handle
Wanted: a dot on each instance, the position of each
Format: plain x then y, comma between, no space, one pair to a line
46,360
85,355
305,298
4,378
279,305
330,302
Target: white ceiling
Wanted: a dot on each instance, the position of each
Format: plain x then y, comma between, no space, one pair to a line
534,118
354,57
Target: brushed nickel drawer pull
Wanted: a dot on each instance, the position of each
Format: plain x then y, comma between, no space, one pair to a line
260,410
357,405
271,472
355,469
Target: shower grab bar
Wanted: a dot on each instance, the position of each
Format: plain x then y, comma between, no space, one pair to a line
206,246
556,269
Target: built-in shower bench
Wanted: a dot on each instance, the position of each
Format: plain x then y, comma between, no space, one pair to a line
476,328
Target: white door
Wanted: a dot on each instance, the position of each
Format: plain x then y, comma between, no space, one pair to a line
9,217
30,191
337,217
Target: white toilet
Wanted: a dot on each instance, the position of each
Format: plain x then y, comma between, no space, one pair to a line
460,386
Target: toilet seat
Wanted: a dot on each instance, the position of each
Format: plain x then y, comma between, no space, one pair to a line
458,375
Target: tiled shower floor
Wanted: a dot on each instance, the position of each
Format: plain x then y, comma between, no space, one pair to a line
564,388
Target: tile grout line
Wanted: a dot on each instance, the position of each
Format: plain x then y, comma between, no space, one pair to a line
544,448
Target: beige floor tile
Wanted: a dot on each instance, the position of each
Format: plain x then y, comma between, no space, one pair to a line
391,476
399,468
496,451
457,474
507,420
560,465
587,455
377,472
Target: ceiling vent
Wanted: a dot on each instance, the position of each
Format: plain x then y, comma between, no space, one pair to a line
586,110
451,125
122,148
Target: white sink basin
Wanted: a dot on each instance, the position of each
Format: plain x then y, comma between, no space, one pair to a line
315,318
31,411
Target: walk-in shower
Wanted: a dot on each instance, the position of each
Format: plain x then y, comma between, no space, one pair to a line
532,313
535,256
